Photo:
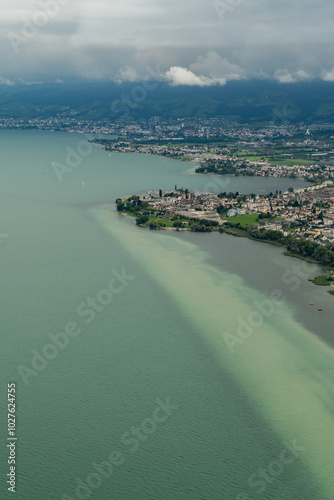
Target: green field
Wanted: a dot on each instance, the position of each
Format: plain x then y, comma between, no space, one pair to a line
249,219
277,159
251,157
244,220
322,280
290,162
235,231
164,222
159,220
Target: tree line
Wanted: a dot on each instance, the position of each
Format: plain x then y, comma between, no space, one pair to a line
324,254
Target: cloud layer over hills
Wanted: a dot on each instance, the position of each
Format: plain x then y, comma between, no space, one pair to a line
191,43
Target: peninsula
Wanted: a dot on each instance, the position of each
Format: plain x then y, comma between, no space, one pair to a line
302,220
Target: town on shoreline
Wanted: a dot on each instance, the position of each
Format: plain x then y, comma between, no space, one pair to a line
301,219
276,150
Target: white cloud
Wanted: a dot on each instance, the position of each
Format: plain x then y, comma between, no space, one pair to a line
215,66
182,76
286,76
328,76
211,69
128,74
6,81
302,75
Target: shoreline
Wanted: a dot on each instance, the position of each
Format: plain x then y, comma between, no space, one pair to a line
237,232
108,214
198,163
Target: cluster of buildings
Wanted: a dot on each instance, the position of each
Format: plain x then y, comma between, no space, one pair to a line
311,172
185,203
217,156
304,213
186,152
309,159
157,128
263,168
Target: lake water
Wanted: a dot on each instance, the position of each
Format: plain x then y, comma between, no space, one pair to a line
220,328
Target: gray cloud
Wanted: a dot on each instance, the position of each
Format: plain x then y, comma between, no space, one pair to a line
191,42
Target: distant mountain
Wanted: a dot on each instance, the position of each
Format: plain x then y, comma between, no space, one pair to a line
243,101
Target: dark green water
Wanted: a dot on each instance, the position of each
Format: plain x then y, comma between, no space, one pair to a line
164,335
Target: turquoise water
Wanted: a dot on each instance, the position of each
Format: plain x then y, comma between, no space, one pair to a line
170,332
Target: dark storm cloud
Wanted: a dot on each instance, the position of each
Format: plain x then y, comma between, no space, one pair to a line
198,43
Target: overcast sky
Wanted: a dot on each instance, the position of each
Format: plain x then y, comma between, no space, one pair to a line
193,42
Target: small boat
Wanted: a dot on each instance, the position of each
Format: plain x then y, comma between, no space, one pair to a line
311,304
320,310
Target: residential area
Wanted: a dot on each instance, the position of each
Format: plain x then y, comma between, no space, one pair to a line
303,213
